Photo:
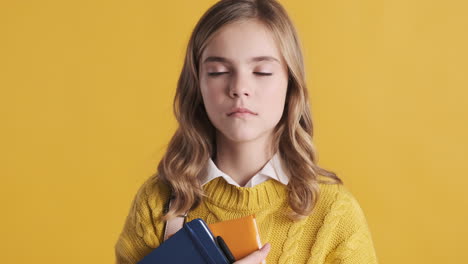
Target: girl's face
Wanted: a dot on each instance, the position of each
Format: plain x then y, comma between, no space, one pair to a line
242,67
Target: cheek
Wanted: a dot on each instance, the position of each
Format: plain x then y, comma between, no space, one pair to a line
273,97
212,87
212,98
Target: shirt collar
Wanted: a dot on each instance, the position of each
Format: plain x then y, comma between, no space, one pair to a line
272,169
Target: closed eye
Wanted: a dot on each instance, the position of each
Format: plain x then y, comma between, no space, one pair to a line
263,73
216,73
257,73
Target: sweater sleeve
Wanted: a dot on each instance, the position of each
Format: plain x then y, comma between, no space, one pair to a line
139,236
355,239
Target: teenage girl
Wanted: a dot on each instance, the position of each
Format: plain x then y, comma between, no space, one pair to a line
244,146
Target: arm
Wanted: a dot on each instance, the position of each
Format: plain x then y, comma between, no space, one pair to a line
355,244
138,237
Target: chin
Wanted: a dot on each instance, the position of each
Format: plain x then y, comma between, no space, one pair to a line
242,136
241,139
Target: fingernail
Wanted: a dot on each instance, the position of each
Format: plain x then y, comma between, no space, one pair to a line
266,246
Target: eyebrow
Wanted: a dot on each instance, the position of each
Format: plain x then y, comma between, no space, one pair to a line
254,59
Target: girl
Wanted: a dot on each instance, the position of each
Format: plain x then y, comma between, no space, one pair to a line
244,146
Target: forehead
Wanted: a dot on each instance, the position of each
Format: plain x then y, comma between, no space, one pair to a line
241,41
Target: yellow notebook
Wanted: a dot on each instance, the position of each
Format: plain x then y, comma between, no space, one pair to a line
241,235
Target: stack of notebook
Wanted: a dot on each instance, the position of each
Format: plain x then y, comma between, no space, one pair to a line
198,243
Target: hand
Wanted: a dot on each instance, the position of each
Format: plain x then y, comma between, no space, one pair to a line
255,257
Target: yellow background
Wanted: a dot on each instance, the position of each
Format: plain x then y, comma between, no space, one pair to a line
86,113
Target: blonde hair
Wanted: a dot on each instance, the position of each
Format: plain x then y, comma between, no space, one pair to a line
193,143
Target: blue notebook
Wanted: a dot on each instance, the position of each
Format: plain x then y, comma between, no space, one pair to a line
193,243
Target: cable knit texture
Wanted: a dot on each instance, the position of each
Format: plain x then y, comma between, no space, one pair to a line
335,232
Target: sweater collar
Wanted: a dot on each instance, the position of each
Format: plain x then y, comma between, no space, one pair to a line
268,194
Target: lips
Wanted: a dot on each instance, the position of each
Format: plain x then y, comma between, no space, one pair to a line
241,110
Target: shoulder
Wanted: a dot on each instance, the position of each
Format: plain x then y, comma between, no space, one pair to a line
341,202
343,212
153,192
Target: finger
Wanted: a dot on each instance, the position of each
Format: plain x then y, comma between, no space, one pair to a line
255,257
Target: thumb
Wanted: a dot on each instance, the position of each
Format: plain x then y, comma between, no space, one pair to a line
257,256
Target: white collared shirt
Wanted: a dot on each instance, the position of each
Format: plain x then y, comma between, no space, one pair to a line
271,170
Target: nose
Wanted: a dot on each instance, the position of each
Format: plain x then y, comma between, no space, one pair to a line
239,86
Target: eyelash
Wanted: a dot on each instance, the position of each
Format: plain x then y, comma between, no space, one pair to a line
214,74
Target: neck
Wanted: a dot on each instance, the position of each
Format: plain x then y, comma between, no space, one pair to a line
242,160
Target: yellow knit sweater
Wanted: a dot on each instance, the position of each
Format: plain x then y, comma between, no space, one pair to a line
336,231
